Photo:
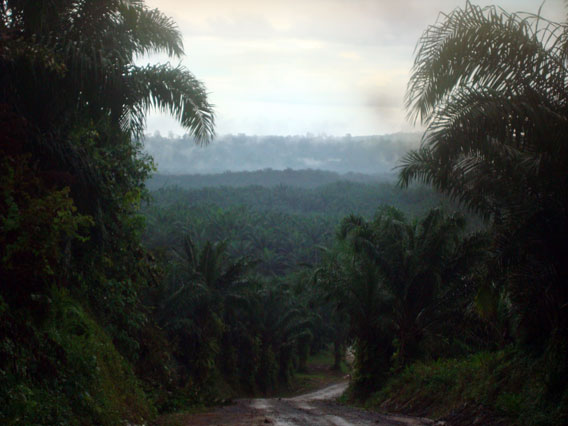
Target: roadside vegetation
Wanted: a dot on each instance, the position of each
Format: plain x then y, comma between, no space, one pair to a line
490,87
487,387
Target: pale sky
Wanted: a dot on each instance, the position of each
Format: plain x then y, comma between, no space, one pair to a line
288,67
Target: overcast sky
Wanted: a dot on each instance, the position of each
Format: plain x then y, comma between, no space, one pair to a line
285,67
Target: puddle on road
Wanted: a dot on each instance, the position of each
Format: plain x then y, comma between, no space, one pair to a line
260,404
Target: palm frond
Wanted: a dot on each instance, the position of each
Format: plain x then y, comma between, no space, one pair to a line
150,30
484,47
174,90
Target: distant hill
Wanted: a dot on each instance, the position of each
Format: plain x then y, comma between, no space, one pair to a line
358,154
267,178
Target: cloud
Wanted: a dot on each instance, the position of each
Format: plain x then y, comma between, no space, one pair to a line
292,66
359,22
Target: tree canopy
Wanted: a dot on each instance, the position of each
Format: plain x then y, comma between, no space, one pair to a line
68,60
491,88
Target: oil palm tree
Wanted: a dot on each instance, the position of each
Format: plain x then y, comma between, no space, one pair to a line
68,69
210,268
283,330
61,60
425,265
394,278
353,283
197,303
491,89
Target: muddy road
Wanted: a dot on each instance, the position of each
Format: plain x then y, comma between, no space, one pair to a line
315,408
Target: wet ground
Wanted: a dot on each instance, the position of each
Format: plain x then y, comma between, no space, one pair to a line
315,408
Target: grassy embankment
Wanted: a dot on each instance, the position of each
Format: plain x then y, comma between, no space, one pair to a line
504,387
68,371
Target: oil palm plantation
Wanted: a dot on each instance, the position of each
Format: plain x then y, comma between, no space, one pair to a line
394,278
198,304
491,89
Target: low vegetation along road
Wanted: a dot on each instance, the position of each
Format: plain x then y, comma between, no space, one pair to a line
315,408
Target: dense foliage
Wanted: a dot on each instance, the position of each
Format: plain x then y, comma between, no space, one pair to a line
280,226
224,322
491,88
72,177
239,301
405,286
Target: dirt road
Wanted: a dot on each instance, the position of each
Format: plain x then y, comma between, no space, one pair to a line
316,408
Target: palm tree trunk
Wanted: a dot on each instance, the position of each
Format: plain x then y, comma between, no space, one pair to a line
337,353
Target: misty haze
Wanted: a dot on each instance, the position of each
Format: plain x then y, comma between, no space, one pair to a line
359,154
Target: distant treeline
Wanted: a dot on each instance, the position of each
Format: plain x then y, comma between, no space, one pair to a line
333,199
362,154
307,178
